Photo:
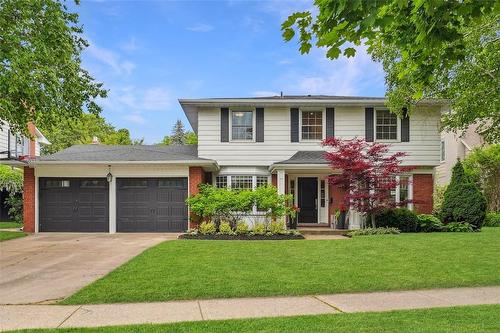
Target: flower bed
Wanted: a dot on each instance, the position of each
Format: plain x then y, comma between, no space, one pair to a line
242,237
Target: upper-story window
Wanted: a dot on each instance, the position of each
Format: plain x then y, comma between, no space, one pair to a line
386,125
312,125
242,125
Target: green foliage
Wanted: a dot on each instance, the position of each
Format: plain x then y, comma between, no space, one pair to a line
41,77
277,228
438,197
400,218
463,202
492,220
259,229
65,133
225,228
11,179
179,136
207,228
374,231
267,199
458,227
483,167
241,228
15,203
429,223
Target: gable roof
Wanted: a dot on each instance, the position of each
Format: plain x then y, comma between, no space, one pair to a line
306,157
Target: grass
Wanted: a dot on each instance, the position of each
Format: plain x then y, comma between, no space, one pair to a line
482,318
9,225
7,235
188,269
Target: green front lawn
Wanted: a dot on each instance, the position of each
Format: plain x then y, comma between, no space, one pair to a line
9,225
187,269
453,320
6,235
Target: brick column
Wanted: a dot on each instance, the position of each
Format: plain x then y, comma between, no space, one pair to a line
29,199
196,176
423,187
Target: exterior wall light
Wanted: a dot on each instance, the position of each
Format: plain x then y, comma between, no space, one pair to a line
109,176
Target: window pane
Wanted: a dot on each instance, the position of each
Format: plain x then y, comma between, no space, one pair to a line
57,183
241,182
93,183
242,125
134,183
403,188
387,125
221,181
261,181
312,125
172,182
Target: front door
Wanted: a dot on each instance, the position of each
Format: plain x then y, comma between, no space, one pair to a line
308,199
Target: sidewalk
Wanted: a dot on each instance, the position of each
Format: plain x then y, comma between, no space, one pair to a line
52,316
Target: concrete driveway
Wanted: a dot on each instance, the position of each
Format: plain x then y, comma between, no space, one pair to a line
44,268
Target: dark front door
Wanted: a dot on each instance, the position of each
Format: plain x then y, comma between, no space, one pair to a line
151,204
74,204
307,199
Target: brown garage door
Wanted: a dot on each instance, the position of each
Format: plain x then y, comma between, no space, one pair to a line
151,204
74,204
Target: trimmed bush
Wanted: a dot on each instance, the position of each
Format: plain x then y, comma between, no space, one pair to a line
373,231
277,228
241,228
429,223
225,228
492,220
259,229
207,228
400,218
459,227
463,201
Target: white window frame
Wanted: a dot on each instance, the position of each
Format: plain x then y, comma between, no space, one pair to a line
442,151
231,125
410,190
398,127
323,123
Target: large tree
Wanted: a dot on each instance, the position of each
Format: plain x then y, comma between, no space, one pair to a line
179,136
445,49
41,77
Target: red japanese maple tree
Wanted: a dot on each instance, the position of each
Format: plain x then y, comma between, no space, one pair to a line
367,173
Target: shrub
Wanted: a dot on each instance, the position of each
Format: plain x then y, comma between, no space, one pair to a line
458,227
241,228
277,228
259,229
225,228
463,202
373,231
492,220
429,223
401,218
207,228
15,204
438,197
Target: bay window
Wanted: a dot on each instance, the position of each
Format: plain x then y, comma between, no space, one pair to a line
241,182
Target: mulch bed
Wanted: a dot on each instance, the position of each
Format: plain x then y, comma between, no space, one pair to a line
240,237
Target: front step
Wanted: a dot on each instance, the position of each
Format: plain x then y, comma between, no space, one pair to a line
321,231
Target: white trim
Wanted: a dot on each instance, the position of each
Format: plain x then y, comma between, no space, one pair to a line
398,127
410,192
112,205
323,123
183,162
231,110
37,218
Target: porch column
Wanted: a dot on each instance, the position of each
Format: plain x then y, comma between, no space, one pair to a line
281,181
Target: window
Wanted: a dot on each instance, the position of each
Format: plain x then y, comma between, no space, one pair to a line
312,125
93,183
242,125
443,151
292,190
322,193
241,182
386,125
403,188
261,181
55,183
172,182
133,183
221,181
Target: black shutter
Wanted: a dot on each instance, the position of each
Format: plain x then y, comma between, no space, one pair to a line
330,121
369,132
294,125
405,126
224,125
259,124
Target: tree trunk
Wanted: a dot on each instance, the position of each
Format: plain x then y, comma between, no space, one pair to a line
372,217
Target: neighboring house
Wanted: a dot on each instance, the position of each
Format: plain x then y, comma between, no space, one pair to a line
455,146
13,150
242,143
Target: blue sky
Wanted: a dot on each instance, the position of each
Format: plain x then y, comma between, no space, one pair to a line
151,53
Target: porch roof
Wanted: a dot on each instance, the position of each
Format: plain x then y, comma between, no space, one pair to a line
305,159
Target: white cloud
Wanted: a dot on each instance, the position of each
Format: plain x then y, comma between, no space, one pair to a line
110,58
156,99
263,93
284,62
130,45
200,27
135,118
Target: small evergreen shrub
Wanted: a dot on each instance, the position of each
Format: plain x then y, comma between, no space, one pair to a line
225,228
373,231
492,220
459,227
401,218
429,223
259,229
463,201
241,228
15,203
277,228
207,228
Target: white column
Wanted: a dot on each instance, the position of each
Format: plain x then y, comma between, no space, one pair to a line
37,221
410,192
281,181
112,206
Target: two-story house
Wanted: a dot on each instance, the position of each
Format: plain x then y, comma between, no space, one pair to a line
242,143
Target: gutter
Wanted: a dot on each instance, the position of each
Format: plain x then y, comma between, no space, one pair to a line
207,163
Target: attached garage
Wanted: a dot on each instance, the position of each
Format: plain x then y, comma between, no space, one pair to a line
151,204
74,204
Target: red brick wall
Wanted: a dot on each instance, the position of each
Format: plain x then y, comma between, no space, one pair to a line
196,177
29,199
274,180
423,186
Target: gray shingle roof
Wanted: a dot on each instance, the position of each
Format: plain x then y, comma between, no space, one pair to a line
97,153
306,157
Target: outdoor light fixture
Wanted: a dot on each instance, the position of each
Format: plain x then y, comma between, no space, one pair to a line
109,176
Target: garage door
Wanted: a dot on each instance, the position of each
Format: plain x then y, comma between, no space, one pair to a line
151,204
74,204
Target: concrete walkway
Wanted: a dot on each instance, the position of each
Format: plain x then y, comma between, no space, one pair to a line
52,316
